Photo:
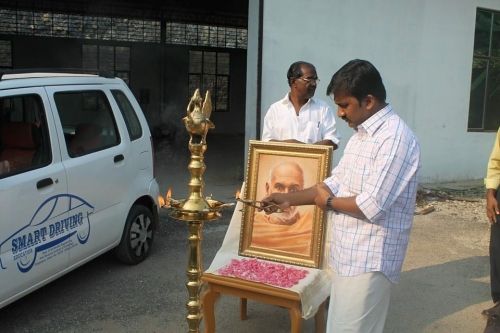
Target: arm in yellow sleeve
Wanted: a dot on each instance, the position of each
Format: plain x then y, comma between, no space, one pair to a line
492,180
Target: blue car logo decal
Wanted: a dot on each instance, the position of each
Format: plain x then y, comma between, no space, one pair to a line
60,223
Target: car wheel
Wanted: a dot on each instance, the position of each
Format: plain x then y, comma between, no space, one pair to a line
137,237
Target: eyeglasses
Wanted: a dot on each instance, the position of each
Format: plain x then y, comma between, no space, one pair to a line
309,80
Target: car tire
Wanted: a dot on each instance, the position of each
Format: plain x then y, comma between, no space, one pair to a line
137,237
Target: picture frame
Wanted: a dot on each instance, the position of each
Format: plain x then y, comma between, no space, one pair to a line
295,236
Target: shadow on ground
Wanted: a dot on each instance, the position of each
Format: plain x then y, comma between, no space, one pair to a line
428,294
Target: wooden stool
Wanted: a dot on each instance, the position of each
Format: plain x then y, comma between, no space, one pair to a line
217,285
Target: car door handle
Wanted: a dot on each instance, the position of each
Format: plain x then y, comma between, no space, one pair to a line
118,158
44,183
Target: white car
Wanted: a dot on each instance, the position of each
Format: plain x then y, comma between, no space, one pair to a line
76,177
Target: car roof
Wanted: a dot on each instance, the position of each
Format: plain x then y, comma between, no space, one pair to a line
37,79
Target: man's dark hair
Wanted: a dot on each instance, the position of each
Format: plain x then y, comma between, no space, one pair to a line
357,78
295,70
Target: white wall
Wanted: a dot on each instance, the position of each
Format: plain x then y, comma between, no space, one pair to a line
422,48
252,58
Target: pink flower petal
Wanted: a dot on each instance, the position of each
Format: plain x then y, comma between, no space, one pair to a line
264,271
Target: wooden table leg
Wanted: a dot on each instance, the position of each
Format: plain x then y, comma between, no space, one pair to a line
243,308
295,319
319,319
208,306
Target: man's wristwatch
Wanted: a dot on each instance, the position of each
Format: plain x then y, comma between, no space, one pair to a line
329,203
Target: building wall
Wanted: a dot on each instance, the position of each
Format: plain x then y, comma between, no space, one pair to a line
252,85
145,79
45,53
233,121
422,48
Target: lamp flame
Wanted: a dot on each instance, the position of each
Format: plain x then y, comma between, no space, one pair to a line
237,195
168,198
161,201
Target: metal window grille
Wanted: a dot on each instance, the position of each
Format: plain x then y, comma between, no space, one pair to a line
8,21
107,58
120,29
5,54
75,26
25,24
42,24
205,35
52,24
104,28
89,27
60,25
485,77
210,71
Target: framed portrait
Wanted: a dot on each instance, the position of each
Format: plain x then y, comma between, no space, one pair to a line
294,236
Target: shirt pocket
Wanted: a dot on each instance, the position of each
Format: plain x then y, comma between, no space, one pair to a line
282,131
311,132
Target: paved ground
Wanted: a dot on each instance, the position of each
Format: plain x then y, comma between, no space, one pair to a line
443,288
445,282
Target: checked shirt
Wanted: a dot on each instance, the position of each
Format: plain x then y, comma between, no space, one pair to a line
379,167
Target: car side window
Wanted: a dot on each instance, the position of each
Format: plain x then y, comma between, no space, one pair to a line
24,137
133,125
87,120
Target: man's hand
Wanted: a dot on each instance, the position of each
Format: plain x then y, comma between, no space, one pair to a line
327,143
314,195
287,140
273,203
322,194
492,209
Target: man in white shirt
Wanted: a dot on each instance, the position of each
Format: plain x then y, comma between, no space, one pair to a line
298,117
371,194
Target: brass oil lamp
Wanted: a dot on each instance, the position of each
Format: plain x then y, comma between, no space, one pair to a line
196,209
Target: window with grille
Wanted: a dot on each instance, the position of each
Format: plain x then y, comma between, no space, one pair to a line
484,106
51,24
210,71
5,54
107,59
206,35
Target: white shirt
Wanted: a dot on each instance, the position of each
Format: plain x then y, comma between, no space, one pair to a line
315,122
379,167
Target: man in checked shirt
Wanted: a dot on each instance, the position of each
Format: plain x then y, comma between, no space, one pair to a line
371,195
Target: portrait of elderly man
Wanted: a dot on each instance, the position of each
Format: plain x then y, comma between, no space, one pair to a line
290,230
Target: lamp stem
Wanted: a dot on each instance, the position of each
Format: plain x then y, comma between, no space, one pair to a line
194,275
